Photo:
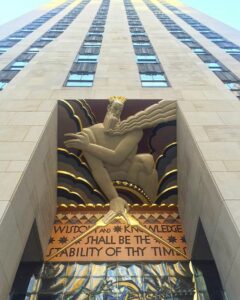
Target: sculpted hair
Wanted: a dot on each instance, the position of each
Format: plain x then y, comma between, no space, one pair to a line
163,111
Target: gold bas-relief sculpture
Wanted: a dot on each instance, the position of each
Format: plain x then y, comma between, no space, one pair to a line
110,149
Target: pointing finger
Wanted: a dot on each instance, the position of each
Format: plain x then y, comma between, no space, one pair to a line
71,135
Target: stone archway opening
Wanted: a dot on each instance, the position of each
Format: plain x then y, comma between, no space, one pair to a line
116,260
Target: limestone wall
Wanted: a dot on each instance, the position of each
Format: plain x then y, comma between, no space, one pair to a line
28,189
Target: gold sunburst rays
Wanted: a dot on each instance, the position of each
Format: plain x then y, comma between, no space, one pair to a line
166,175
163,154
63,188
150,148
74,155
171,188
73,113
83,181
71,196
86,107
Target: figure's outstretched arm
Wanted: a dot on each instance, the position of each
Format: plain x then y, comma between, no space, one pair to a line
100,174
114,157
103,179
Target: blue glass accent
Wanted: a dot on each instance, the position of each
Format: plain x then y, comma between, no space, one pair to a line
87,58
18,65
2,85
146,59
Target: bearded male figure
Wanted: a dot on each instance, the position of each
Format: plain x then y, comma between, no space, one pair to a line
110,149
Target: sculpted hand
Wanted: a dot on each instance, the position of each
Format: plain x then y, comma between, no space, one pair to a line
80,141
118,207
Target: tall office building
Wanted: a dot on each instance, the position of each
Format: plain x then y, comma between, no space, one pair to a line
59,65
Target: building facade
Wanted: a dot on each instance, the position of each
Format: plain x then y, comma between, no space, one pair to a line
143,50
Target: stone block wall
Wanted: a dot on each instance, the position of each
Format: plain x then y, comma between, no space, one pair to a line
32,183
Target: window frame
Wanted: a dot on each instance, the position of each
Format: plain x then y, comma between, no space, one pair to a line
146,59
18,65
81,82
150,79
3,84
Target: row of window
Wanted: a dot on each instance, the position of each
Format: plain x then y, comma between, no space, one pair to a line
231,81
11,70
17,36
84,67
220,41
150,69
